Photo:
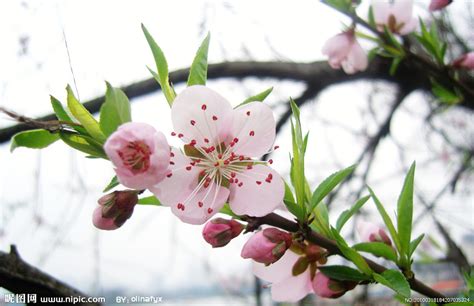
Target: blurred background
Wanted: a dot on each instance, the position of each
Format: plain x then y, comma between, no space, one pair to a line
382,123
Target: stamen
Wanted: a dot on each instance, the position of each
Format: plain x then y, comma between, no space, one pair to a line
252,133
204,107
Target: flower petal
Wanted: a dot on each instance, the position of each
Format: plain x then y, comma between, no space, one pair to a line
278,271
101,222
257,195
402,10
356,59
293,288
336,49
200,113
254,126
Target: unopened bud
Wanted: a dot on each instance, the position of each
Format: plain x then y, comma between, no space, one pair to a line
114,209
370,232
464,61
219,232
326,287
267,246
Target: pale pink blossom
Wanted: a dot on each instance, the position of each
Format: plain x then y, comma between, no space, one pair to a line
325,287
114,209
139,153
436,5
345,51
465,61
267,246
285,287
369,232
397,16
219,232
218,164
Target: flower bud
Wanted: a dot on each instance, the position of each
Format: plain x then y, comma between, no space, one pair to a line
267,246
326,287
114,209
370,232
219,232
436,5
464,61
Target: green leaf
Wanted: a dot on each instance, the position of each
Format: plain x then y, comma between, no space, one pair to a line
414,244
386,219
395,280
405,211
115,110
260,97
198,70
113,183
347,214
372,18
82,143
394,66
378,249
161,66
33,139
289,201
329,184
151,200
343,273
84,117
62,115
351,254
444,94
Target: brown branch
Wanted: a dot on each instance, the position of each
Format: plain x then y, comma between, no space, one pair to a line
19,277
285,224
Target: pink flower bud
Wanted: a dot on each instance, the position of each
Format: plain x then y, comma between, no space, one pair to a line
436,5
325,287
140,154
465,61
267,246
370,232
219,232
114,209
344,51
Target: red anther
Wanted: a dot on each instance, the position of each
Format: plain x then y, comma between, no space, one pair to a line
232,154
241,158
193,122
169,174
270,176
231,180
192,143
200,204
232,144
172,154
212,149
180,135
233,174
240,184
198,161
208,179
219,156
252,133
236,180
270,161
258,182
214,118
203,172
249,167
268,180
210,210
193,163
204,107
173,134
206,140
206,184
188,168
248,113
171,162
226,162
275,147
236,140
180,206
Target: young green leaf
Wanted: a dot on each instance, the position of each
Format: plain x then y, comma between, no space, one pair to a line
82,143
297,162
151,200
63,115
386,219
84,117
161,66
347,214
321,220
115,110
414,244
343,273
260,97
33,139
113,183
394,66
394,280
405,211
328,185
351,254
378,249
198,70
289,201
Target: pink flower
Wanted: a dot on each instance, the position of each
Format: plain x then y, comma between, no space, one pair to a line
439,4
396,16
114,209
344,51
217,164
325,287
370,232
139,153
219,232
285,286
464,61
267,246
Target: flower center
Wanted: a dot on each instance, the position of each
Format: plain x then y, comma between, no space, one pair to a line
136,156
